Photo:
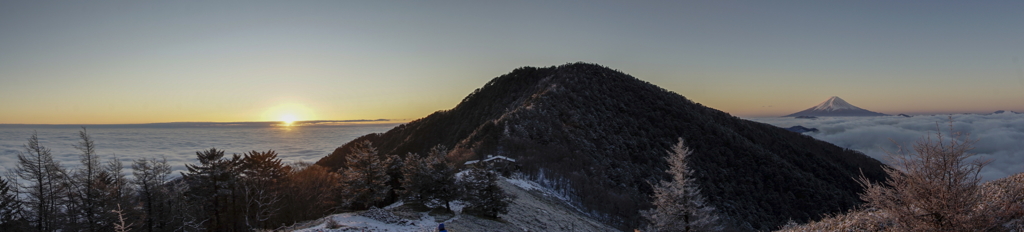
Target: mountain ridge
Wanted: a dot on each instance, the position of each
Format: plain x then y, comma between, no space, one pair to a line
601,136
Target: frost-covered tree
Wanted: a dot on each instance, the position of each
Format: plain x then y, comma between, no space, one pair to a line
678,205
430,179
364,178
936,187
45,185
482,193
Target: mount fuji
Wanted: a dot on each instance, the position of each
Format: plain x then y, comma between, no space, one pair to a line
835,106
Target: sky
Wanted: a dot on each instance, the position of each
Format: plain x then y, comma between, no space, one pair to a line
114,62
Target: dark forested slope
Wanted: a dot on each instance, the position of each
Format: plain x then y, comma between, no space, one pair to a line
602,136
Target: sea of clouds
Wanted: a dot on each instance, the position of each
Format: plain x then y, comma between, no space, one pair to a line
179,143
1000,137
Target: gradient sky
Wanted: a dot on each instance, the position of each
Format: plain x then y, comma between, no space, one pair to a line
77,62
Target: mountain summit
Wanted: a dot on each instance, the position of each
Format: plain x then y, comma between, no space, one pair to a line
600,137
835,106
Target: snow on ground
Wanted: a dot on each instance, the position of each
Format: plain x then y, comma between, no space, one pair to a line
535,209
523,182
373,220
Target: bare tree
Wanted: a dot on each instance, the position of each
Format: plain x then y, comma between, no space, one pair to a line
10,207
936,187
87,192
678,205
319,187
45,187
120,225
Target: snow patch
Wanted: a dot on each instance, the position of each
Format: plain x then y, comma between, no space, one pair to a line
358,222
491,158
374,219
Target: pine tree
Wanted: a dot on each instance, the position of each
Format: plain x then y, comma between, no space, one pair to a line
46,187
430,179
678,205
150,176
212,186
364,178
480,190
261,174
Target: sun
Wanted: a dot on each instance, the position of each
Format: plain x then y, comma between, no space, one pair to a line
288,119
288,114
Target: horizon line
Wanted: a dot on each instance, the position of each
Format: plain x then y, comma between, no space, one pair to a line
210,123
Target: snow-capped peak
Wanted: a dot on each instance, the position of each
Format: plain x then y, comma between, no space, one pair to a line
833,104
835,107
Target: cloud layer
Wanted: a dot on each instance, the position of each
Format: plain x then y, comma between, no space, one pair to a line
180,144
1000,137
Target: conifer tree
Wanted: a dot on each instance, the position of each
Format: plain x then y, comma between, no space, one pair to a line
430,179
261,173
212,186
678,205
480,190
364,178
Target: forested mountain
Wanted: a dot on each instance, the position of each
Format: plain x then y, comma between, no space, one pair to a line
601,137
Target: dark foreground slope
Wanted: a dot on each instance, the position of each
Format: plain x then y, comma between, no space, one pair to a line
601,136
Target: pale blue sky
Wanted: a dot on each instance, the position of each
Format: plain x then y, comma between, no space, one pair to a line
129,62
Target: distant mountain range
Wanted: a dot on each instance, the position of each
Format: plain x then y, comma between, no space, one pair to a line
801,129
835,107
600,137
